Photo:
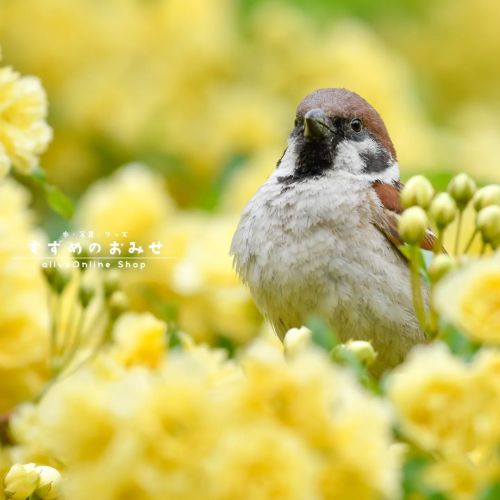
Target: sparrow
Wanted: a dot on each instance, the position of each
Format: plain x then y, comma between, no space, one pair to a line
320,236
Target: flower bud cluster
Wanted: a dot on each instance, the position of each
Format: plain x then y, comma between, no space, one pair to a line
362,350
424,208
413,225
462,188
24,480
488,223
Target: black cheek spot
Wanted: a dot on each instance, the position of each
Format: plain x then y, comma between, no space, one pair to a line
376,161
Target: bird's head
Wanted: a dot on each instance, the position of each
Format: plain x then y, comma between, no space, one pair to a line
336,129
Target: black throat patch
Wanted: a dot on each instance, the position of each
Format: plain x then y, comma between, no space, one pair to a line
313,159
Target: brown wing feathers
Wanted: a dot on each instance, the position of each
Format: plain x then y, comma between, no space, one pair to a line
388,194
387,219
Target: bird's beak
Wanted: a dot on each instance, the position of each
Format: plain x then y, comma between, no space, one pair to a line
316,124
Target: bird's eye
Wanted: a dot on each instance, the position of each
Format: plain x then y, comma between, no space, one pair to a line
356,125
296,122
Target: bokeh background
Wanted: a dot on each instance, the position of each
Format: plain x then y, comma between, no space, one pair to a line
168,114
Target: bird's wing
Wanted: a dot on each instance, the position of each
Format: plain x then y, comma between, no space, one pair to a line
386,215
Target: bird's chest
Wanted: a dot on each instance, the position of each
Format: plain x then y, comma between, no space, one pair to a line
300,247
297,240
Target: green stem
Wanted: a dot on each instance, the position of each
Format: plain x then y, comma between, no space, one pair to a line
433,316
459,229
416,286
469,243
438,247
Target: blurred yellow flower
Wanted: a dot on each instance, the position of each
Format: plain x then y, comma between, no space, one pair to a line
486,380
263,460
450,407
24,133
206,90
203,426
457,476
23,317
133,201
139,339
474,147
245,182
195,275
470,299
438,382
211,299
309,384
225,91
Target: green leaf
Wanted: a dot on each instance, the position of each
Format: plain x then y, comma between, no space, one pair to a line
491,492
458,343
167,310
412,473
38,175
58,201
321,334
227,344
328,10
413,481
174,340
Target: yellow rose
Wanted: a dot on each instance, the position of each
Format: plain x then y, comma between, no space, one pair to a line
133,201
24,133
450,407
470,299
203,426
23,313
140,339
435,400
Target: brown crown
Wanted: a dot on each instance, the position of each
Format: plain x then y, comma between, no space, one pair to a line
342,103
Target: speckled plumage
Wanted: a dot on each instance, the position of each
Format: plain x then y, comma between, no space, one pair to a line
310,246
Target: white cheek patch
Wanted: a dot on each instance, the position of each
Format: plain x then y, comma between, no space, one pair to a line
288,161
388,175
348,155
349,158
